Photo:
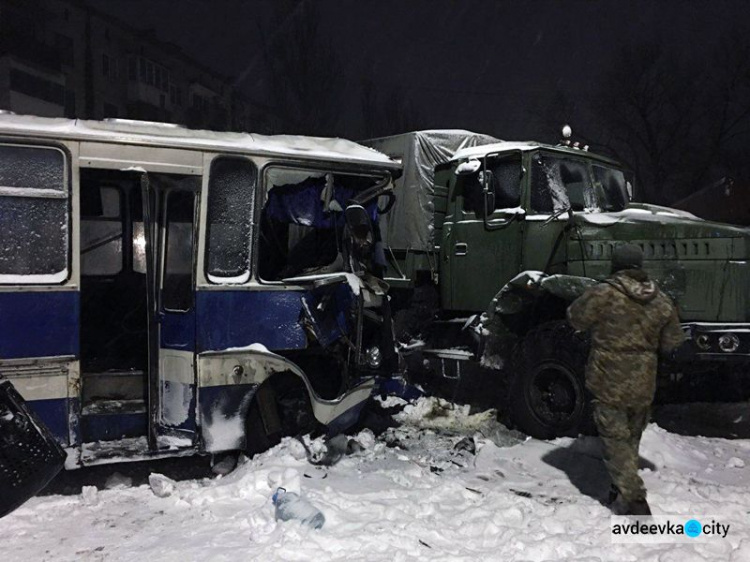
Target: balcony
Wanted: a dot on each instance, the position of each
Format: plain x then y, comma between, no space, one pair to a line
30,51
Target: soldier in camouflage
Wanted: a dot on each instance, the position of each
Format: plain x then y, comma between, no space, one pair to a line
630,321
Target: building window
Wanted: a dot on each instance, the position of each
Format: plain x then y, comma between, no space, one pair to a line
132,69
70,104
175,95
110,110
149,73
66,48
105,65
36,87
200,103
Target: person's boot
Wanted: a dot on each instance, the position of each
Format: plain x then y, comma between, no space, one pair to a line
614,492
620,506
640,508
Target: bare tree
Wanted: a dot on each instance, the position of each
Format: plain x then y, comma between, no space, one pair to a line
300,85
387,111
679,125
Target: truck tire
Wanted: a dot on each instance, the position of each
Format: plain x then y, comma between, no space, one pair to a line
548,397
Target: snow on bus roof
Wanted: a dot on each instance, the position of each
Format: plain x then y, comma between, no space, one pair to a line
168,134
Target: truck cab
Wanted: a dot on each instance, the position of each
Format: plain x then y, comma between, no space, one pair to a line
525,227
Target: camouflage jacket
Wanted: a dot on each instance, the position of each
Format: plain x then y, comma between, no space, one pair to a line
630,320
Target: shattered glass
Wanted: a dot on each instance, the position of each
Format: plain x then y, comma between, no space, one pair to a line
560,183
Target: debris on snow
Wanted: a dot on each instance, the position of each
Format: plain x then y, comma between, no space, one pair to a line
513,498
735,462
161,485
117,480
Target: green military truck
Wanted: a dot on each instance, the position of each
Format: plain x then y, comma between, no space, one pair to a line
490,241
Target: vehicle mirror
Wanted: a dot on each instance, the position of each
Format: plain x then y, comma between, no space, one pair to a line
358,221
469,167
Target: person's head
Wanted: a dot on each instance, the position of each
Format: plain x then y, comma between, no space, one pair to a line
626,256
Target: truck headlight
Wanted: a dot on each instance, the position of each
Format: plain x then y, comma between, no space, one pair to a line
729,343
703,342
373,356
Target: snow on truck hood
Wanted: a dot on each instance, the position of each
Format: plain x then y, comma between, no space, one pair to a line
637,214
641,213
135,132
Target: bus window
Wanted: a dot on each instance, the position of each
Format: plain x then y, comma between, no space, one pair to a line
101,230
34,214
231,194
302,221
177,292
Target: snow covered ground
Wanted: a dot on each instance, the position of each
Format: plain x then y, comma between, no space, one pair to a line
409,494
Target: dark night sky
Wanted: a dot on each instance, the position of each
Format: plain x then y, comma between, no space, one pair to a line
477,64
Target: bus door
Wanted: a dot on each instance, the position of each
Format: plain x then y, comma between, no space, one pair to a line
170,207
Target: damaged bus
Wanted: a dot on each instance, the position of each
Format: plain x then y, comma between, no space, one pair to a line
166,292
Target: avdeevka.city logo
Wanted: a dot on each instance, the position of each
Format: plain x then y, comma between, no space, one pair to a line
667,528
693,528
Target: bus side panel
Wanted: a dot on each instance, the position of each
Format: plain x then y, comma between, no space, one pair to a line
177,371
238,318
38,345
49,387
235,318
38,324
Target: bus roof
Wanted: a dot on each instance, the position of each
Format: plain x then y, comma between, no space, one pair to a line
167,134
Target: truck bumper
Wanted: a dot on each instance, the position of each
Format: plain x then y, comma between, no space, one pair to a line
719,341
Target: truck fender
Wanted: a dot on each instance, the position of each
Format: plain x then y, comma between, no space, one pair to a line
528,286
514,311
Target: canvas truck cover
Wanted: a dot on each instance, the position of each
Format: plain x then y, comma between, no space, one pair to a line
410,224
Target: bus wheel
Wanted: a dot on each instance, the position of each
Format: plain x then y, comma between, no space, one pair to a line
547,395
280,408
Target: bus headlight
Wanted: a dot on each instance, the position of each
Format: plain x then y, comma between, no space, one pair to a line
374,357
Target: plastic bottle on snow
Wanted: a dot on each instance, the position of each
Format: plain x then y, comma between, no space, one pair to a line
291,506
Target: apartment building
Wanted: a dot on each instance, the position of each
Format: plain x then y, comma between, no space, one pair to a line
66,58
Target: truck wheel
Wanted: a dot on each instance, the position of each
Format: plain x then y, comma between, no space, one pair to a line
547,395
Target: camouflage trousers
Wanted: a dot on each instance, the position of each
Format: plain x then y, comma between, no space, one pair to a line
620,429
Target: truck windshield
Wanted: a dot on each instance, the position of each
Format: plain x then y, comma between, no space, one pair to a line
614,191
560,182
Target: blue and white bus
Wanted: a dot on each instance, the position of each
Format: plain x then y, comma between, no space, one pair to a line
165,291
